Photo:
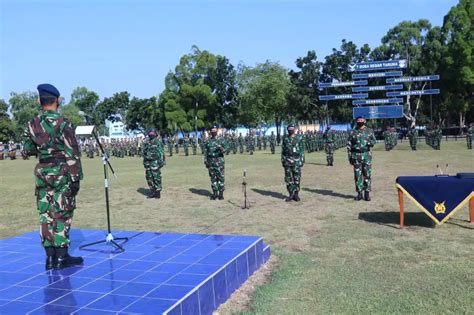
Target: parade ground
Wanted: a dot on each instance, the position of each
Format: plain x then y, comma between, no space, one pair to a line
330,254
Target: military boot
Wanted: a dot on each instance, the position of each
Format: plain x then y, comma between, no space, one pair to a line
289,198
296,197
158,194
367,196
50,257
359,196
65,260
221,195
214,195
152,193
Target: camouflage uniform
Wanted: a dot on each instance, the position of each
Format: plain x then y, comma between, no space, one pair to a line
170,145
186,145
413,138
241,143
359,144
214,161
272,143
469,136
292,160
57,174
153,161
329,138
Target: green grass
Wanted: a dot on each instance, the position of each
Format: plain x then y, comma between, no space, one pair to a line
336,255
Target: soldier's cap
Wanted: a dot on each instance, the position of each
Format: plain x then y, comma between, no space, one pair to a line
47,89
290,126
360,117
214,127
151,131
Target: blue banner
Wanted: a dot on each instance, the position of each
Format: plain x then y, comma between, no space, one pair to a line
378,112
377,88
414,92
377,75
338,84
413,79
438,196
378,101
378,65
342,96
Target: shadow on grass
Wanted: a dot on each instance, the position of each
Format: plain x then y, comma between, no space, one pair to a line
392,219
453,222
200,192
144,191
323,164
273,194
326,192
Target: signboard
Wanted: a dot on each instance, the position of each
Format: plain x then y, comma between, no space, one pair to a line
377,88
348,83
378,101
413,79
414,92
377,75
378,65
342,96
377,112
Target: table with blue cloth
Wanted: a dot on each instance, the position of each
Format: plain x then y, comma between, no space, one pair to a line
440,197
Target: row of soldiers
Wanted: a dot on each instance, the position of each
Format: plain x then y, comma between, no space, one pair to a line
433,137
390,137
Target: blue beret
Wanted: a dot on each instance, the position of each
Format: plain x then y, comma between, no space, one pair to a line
47,89
151,130
290,126
214,127
360,117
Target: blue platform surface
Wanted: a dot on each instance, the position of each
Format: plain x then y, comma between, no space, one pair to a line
169,273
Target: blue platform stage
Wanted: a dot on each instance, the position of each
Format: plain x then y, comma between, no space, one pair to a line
169,273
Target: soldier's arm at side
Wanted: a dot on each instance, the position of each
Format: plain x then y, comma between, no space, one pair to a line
73,154
372,140
28,142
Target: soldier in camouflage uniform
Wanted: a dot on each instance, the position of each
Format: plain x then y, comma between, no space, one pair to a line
51,137
329,138
153,161
292,160
241,143
413,137
214,161
170,144
272,142
469,136
194,144
186,144
359,143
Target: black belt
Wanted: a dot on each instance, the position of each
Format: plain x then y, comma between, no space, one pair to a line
55,160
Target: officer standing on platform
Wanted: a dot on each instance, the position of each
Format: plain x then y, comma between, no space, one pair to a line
359,143
57,176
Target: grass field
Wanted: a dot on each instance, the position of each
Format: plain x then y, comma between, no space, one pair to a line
335,255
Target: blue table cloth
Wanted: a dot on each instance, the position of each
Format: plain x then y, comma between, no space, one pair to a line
440,197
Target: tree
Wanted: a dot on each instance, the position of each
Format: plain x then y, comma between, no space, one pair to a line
7,128
264,94
143,113
113,108
71,112
304,93
24,107
457,65
84,99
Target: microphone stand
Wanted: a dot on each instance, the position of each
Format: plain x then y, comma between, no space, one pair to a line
244,188
109,239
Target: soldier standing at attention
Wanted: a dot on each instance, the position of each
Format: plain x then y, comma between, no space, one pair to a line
186,144
57,176
153,161
469,136
292,160
413,137
241,143
214,161
329,138
194,144
170,144
272,143
359,143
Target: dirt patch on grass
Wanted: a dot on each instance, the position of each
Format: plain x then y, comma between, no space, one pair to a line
241,299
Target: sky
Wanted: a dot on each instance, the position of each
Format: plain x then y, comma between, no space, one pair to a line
110,46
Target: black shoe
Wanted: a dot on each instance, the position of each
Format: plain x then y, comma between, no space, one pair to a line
158,194
359,196
367,196
221,195
64,260
152,193
213,196
296,197
289,198
50,257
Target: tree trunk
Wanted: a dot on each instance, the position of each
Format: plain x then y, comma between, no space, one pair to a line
462,120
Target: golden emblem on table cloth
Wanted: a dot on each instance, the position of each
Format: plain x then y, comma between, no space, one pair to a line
440,207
